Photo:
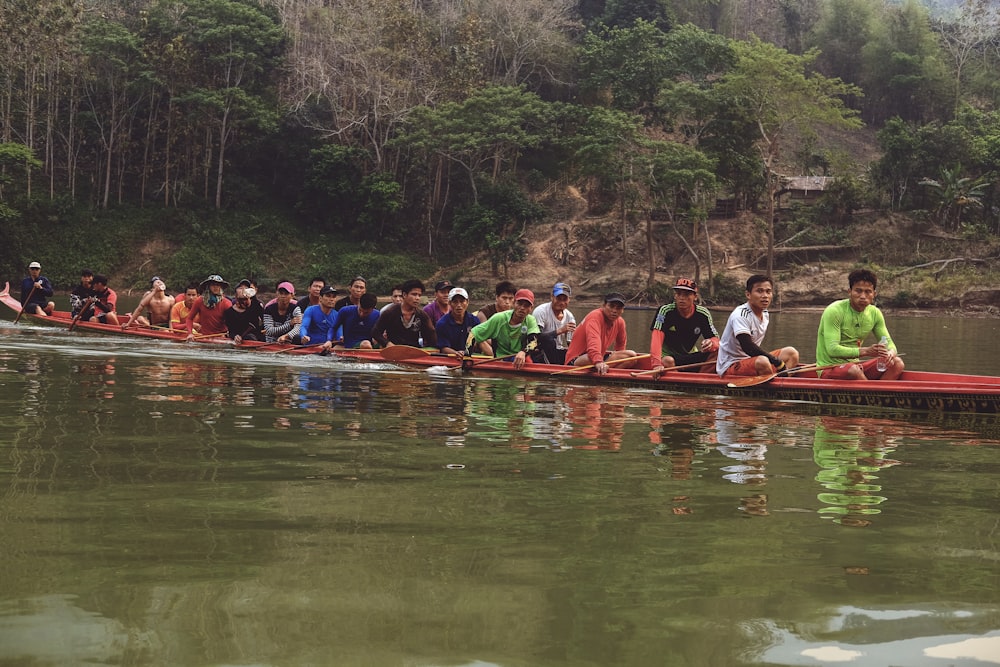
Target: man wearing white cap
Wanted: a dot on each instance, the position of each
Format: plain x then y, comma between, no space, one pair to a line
35,292
453,327
556,323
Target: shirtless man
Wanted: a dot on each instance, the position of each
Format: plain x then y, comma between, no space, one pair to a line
157,303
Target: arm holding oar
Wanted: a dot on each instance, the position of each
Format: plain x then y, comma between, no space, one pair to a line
83,308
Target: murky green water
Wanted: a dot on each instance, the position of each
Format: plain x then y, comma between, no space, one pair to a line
164,505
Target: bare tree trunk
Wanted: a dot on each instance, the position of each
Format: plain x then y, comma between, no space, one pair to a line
650,251
708,259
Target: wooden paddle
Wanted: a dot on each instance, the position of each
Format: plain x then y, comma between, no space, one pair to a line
296,348
26,302
211,335
403,352
672,368
616,361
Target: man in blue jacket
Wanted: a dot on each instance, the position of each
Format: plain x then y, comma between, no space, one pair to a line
36,290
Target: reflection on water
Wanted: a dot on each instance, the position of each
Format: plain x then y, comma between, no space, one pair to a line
177,505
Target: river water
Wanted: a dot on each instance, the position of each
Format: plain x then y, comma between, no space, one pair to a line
167,504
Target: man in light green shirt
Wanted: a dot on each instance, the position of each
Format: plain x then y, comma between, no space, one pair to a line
843,328
514,332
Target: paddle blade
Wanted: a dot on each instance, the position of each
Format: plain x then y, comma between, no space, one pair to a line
402,352
751,380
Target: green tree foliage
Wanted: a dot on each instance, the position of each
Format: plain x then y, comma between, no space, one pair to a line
625,13
841,35
904,72
625,66
497,223
953,195
778,92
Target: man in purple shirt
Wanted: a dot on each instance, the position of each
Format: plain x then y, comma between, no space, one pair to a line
440,306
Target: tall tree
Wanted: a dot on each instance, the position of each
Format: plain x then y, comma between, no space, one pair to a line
240,47
778,93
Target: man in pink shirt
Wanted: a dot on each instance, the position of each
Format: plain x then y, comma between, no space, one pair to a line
601,338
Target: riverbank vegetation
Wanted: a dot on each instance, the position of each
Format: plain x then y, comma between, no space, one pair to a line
288,138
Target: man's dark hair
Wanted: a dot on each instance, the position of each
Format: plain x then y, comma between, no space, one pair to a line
505,287
193,286
396,287
317,279
756,279
86,273
862,276
411,285
100,279
368,300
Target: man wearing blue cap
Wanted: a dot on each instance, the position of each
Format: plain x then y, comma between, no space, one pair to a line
556,323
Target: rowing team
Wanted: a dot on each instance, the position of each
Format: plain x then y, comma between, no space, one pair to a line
683,337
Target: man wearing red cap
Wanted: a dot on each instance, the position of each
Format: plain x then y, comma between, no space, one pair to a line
514,332
602,330
676,329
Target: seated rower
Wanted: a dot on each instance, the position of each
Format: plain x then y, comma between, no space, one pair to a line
739,349
602,337
36,290
182,306
209,308
513,332
405,323
843,328
282,317
357,322
102,309
556,323
244,319
453,327
83,291
676,328
158,304
319,322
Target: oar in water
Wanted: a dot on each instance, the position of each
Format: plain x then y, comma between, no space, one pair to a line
616,361
26,302
297,348
672,368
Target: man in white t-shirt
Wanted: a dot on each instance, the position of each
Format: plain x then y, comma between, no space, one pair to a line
739,348
556,324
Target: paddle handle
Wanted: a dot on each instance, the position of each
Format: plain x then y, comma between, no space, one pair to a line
673,368
26,302
616,361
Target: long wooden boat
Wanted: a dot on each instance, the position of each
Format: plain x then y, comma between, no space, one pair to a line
914,391
62,318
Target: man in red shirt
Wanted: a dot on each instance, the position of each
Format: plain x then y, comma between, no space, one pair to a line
209,308
602,329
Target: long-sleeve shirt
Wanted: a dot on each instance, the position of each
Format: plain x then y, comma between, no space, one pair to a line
41,295
355,328
391,327
594,337
318,326
842,330
277,325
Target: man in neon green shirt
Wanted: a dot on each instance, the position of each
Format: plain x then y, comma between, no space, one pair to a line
514,332
843,328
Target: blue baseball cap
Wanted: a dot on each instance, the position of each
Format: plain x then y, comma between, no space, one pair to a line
561,288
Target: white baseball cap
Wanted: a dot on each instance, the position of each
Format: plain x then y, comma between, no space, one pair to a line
34,265
458,291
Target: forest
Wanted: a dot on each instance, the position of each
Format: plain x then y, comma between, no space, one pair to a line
396,135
